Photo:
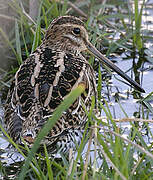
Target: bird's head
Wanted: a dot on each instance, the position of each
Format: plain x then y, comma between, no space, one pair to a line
68,33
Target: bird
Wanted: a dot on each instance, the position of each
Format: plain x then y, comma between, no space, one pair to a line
45,79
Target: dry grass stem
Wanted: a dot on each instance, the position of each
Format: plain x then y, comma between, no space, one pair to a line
129,141
71,159
87,156
75,8
103,118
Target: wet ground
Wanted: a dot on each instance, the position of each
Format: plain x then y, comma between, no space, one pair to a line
126,62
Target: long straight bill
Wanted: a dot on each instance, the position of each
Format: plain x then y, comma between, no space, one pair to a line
111,65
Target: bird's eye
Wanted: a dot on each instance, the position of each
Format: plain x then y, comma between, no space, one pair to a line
76,31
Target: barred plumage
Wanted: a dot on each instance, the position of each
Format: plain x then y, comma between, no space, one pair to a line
44,80
46,77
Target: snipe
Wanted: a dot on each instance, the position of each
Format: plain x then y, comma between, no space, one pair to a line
45,79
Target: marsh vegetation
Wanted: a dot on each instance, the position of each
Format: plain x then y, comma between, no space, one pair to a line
119,144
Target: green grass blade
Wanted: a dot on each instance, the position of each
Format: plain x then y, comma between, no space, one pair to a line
64,8
24,41
37,36
45,17
138,22
49,169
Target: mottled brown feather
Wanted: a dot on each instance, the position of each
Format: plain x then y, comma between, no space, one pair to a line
43,81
